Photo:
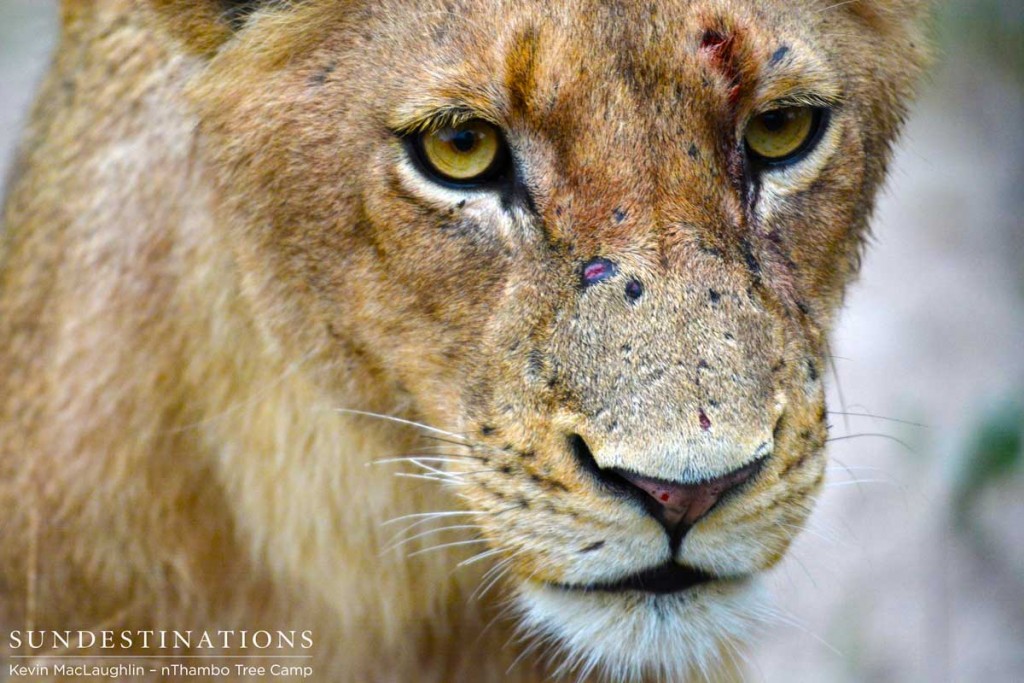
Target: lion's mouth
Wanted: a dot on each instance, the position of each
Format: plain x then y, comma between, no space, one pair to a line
661,580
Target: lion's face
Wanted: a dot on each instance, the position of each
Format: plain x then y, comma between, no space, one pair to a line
623,307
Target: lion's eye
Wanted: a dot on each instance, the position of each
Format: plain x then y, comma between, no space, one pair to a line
783,135
467,154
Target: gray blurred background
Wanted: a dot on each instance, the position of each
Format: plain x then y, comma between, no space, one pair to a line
913,567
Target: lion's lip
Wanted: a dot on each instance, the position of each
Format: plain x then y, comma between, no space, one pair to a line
661,580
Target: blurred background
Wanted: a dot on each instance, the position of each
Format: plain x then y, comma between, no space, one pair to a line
913,566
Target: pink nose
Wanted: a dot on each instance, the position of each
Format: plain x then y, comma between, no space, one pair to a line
682,505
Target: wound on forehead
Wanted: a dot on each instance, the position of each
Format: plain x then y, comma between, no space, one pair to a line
721,48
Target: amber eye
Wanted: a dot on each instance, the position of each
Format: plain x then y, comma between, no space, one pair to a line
783,135
466,154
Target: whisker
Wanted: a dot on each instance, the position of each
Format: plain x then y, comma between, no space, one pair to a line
839,391
793,557
879,417
586,670
503,613
436,449
493,575
435,515
399,420
890,437
414,525
422,518
527,651
428,532
410,527
480,556
443,479
454,544
792,621
422,463
462,444
871,470
807,530
442,476
837,5
431,451
845,467
418,459
496,568
858,482
469,444
734,651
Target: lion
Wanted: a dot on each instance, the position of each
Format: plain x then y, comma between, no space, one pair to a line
471,340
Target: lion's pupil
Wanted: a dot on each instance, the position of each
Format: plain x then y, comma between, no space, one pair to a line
774,121
464,141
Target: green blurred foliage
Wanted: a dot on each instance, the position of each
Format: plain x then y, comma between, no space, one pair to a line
995,454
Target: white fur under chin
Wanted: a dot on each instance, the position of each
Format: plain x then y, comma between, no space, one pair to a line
634,636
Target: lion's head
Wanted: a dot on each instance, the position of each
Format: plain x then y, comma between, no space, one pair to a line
601,243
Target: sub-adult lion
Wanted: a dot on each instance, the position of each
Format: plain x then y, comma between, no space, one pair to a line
591,248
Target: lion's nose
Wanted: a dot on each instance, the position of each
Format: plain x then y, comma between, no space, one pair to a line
680,506
676,505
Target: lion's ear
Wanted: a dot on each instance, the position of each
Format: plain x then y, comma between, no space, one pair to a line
206,24
883,14
905,24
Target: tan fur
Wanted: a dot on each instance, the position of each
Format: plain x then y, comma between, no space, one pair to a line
213,242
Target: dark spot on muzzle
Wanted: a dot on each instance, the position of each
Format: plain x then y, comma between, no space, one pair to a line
634,290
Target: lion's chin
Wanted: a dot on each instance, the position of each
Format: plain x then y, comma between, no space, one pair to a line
634,636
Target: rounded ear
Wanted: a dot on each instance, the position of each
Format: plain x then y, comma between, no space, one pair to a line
888,15
204,25
905,23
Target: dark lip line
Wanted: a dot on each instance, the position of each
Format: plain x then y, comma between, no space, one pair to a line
664,579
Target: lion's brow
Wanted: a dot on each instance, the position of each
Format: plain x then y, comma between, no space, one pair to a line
521,62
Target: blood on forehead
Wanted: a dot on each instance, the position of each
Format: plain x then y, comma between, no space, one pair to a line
721,50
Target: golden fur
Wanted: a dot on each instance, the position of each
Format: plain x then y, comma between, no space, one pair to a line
214,242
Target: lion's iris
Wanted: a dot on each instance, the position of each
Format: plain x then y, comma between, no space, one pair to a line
781,134
463,153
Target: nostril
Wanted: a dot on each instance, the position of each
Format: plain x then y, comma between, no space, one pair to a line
607,478
683,505
584,456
